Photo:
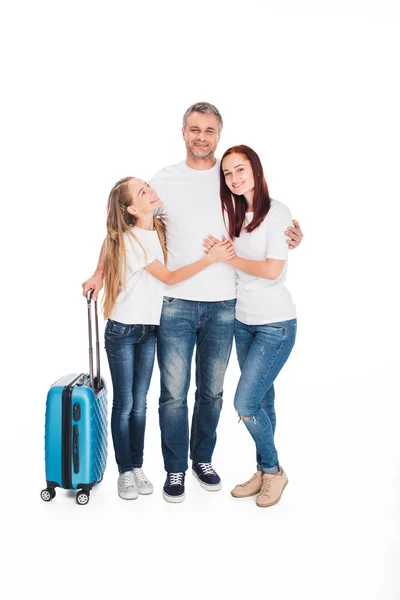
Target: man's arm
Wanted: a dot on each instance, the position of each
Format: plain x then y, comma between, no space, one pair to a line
96,280
295,234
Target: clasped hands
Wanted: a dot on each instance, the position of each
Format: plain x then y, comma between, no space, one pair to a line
223,246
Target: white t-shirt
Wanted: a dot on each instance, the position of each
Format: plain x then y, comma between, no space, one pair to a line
191,211
140,302
260,300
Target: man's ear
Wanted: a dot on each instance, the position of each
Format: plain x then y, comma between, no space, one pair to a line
183,132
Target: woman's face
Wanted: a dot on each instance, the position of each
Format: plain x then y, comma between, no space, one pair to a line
238,174
144,198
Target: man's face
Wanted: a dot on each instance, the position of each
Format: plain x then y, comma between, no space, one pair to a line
201,135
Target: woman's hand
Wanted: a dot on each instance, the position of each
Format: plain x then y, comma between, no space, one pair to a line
218,251
211,241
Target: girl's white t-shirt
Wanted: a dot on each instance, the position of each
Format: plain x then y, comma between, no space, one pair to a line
140,301
260,300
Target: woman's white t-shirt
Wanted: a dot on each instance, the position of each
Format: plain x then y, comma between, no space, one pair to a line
260,300
140,301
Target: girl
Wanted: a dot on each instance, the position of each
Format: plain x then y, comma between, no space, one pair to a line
265,324
134,283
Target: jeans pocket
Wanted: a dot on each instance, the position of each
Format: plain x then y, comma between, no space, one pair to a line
278,325
169,300
229,303
115,329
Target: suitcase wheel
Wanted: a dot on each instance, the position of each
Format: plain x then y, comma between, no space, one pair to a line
82,498
48,494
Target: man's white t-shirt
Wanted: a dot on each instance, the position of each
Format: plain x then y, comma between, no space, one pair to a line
260,300
140,301
191,211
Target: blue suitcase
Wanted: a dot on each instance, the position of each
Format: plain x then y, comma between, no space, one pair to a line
76,428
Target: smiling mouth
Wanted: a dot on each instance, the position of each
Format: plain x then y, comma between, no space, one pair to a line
235,186
155,200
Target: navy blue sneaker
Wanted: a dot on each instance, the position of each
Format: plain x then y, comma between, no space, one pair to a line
208,478
174,487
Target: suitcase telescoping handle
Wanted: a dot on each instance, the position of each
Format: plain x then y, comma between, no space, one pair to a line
89,302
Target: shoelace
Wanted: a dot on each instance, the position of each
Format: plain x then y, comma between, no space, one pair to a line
140,476
255,476
266,485
206,468
176,478
127,479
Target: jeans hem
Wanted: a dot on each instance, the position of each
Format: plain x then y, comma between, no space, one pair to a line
269,470
175,470
207,460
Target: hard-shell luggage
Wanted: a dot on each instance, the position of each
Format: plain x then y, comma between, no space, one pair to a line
76,428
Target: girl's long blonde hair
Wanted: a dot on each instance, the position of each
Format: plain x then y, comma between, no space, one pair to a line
120,221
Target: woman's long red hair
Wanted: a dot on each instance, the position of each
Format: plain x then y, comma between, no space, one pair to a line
234,206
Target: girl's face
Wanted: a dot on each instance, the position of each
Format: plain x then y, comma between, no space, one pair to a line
238,174
144,198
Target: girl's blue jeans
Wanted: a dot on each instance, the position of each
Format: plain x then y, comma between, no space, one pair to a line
130,352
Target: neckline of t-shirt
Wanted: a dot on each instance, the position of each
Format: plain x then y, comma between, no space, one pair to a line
212,169
141,229
252,212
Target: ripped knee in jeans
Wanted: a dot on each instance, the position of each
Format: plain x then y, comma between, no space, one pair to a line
247,419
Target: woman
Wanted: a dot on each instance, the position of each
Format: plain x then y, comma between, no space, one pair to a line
135,275
265,325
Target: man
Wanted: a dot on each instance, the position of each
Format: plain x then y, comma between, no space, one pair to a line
199,312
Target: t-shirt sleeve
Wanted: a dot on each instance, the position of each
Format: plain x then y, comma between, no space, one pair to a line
279,220
137,257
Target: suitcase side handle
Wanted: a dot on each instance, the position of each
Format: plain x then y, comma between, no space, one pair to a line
89,304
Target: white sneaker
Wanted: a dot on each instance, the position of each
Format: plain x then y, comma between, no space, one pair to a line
127,488
143,485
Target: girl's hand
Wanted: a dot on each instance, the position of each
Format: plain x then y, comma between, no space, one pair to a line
211,241
220,251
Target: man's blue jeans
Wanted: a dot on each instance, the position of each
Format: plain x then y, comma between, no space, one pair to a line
262,350
130,352
184,325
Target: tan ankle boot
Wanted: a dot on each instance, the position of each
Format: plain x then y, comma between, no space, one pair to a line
272,488
249,488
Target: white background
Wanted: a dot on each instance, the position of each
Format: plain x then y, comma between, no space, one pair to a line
95,91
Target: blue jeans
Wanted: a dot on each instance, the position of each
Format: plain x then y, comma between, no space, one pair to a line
185,324
262,350
130,352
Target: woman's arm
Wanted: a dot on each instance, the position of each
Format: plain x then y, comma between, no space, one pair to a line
270,268
221,252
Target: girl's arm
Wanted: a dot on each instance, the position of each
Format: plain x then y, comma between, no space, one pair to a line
95,282
270,268
221,252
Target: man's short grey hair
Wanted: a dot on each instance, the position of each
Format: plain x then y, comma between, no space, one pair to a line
207,109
